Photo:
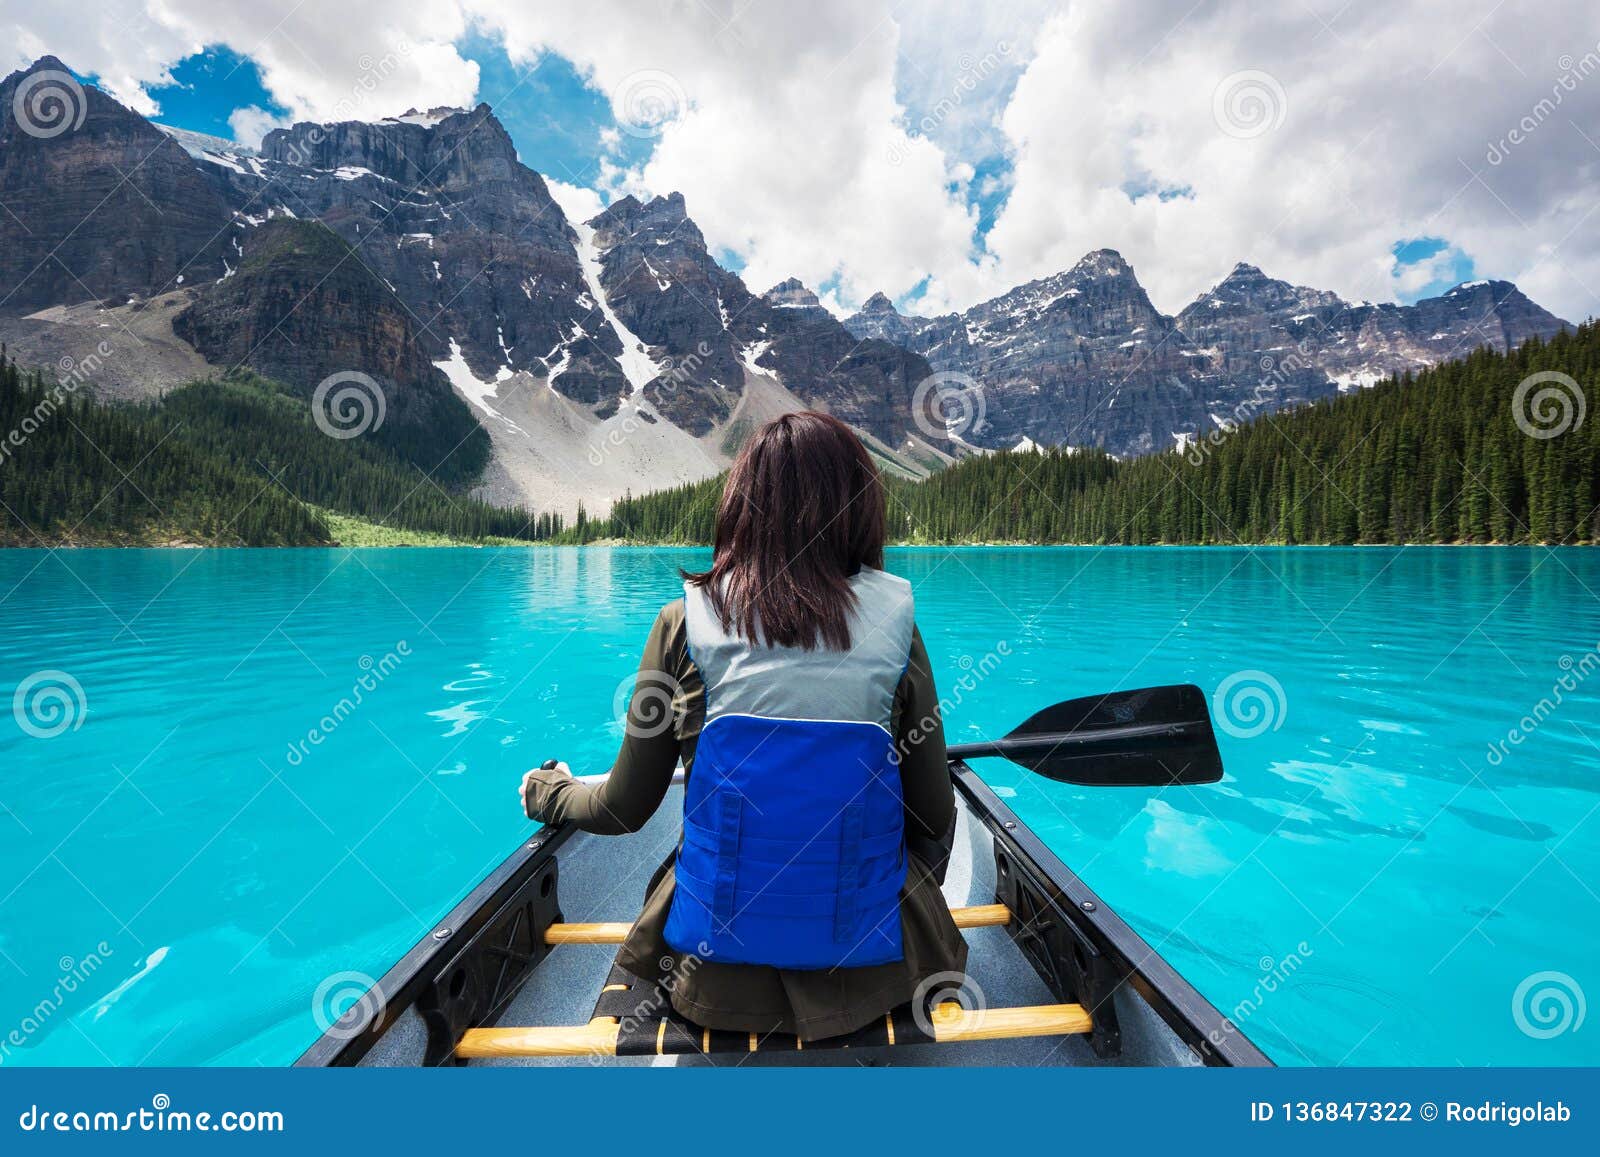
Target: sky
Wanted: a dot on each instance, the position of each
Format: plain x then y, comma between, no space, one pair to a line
943,152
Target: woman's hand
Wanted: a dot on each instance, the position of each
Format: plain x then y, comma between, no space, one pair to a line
524,792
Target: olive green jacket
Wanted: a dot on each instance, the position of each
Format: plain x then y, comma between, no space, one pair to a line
747,997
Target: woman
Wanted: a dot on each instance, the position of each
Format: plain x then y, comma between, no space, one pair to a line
804,712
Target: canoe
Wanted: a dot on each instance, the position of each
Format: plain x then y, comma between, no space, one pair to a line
1054,976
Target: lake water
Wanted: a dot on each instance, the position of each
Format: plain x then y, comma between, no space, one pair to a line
1384,877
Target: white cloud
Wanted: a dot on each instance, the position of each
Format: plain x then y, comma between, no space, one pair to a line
790,145
958,62
836,141
250,124
1416,276
122,45
351,59
578,203
1386,116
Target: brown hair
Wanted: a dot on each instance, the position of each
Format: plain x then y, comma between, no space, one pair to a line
801,513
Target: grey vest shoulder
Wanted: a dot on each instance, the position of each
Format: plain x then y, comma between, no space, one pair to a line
856,685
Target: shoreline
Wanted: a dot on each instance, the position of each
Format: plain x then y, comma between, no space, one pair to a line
624,544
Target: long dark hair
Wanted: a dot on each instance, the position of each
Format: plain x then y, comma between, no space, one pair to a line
802,511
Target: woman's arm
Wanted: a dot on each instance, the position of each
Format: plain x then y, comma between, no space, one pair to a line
643,771
930,796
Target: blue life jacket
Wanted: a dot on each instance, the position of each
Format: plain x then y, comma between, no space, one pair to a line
793,851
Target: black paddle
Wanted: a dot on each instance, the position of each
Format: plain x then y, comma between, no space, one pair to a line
1153,737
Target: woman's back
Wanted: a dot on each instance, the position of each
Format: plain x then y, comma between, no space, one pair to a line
806,718
793,835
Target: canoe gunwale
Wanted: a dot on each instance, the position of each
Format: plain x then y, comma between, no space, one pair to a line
499,902
1198,1023
464,972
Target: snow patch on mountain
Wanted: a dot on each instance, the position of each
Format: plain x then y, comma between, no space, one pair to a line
751,354
197,144
637,365
468,385
1350,383
430,119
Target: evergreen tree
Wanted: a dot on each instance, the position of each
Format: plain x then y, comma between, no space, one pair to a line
1433,457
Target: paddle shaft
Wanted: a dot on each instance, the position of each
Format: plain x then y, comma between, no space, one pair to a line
1069,743
1088,743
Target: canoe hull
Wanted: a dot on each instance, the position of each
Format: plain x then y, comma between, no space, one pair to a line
487,963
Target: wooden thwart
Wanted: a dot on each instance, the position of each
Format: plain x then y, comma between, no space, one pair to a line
670,1035
950,1023
982,916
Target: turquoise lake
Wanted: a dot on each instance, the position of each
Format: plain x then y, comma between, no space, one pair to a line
1388,875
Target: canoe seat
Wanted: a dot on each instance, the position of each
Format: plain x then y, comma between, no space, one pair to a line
633,1017
982,916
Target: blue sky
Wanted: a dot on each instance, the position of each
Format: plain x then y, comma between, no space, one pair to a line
207,87
1433,255
553,115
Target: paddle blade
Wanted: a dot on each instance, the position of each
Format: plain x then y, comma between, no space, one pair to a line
1152,737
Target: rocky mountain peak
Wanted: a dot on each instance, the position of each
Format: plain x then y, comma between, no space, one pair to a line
99,202
432,116
452,151
658,217
878,318
1102,263
705,335
1243,273
1100,290
792,293
624,208
45,63
1247,290
1478,287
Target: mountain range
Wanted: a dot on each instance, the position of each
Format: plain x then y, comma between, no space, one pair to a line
548,360
1083,358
